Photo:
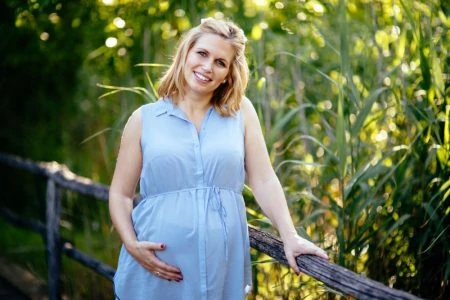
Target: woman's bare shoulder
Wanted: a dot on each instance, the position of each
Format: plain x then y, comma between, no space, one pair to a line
248,111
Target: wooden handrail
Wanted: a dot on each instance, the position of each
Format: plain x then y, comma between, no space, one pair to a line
67,246
60,177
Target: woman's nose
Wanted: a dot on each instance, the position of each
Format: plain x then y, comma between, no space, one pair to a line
207,66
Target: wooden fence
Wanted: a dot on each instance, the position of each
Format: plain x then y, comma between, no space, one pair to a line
59,177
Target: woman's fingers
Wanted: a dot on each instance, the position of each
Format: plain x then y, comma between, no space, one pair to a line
313,249
168,275
293,263
165,271
160,264
321,253
303,246
152,246
156,266
299,246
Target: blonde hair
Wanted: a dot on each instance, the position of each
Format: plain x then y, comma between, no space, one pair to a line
227,97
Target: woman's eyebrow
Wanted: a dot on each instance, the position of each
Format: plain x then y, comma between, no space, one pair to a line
202,49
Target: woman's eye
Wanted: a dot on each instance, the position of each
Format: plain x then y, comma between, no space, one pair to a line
202,53
221,63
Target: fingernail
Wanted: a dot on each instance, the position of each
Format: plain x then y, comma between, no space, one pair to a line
163,246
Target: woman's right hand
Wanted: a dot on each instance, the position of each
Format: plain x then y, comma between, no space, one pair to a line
144,253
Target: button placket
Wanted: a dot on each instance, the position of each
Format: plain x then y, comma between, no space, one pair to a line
196,138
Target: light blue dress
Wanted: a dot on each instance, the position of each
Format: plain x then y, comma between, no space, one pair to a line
191,183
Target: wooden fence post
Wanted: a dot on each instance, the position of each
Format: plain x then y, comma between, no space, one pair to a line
53,241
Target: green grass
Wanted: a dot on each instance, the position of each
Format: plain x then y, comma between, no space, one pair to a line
23,247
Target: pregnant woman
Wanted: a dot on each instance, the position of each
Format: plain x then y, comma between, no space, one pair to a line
191,152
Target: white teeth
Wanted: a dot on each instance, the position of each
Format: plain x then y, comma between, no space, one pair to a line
200,76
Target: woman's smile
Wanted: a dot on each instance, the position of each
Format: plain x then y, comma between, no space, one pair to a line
201,77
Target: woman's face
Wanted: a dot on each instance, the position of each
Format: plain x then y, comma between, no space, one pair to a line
207,64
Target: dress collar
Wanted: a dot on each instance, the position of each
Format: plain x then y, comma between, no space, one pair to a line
173,110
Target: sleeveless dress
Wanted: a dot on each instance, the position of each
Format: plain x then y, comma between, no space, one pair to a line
191,183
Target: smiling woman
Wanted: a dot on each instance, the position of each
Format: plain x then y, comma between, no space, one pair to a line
191,152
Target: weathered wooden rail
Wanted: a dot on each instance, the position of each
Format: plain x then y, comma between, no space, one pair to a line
60,177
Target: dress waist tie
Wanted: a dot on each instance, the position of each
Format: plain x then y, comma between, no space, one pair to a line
218,206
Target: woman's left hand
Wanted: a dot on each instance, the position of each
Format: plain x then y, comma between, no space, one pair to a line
295,246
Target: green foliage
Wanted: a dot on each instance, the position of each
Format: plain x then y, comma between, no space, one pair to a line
353,96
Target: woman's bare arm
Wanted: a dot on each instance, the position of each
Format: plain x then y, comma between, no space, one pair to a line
121,193
268,191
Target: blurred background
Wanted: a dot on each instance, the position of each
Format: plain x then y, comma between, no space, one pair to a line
353,96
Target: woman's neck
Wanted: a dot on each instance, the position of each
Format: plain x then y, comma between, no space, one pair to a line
193,104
